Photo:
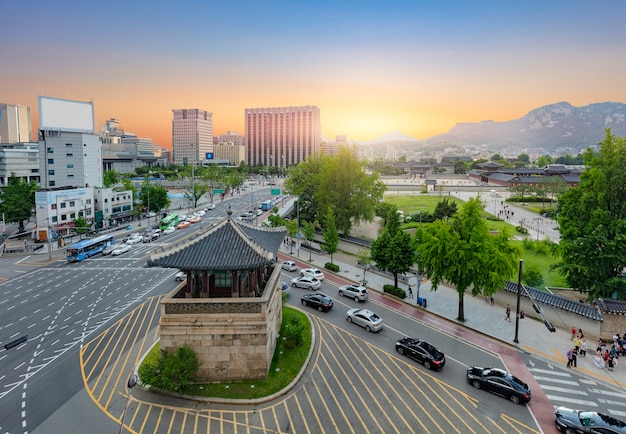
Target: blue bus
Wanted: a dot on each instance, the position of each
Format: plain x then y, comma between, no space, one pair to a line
266,206
88,247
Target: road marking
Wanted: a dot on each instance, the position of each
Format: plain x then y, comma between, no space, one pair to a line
546,371
556,380
609,393
581,402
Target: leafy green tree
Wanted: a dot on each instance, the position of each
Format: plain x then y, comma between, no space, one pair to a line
523,158
331,237
195,194
81,225
171,371
460,167
465,254
18,200
522,189
531,276
111,177
275,220
308,230
393,251
364,258
592,219
292,231
445,209
153,197
544,160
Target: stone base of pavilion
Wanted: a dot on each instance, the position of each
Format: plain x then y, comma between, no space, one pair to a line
234,338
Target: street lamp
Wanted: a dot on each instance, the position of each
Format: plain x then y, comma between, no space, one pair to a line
132,382
519,290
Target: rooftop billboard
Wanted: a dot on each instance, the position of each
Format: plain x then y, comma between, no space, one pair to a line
65,115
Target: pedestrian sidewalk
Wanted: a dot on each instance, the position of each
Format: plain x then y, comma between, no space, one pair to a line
481,317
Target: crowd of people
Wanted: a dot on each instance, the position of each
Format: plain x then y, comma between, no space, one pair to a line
604,357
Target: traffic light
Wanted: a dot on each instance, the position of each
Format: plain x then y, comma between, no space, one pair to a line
550,326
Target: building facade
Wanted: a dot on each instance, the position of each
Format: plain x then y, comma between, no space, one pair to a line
112,207
235,154
56,210
192,136
69,159
21,159
282,136
230,137
15,125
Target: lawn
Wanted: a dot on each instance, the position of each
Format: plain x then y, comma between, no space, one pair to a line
542,262
286,365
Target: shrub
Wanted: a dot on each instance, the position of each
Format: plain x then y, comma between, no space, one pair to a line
171,371
294,333
532,277
331,267
528,244
393,290
521,229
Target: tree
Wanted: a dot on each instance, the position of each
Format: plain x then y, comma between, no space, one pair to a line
445,209
464,254
592,219
392,250
292,230
153,197
364,258
171,371
544,160
308,230
18,200
523,158
81,225
111,177
196,192
331,237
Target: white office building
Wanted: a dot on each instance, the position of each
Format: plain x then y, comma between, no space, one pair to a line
192,136
15,125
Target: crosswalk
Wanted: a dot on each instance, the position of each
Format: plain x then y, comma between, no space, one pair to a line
566,388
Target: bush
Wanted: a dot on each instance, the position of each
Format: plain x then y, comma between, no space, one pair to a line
532,277
331,267
294,333
528,244
171,371
393,290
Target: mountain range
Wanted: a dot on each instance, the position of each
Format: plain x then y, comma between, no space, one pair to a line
559,127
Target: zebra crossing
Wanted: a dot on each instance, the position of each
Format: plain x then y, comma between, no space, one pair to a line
569,389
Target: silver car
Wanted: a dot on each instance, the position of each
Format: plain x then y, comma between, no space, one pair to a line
354,291
121,249
365,318
312,272
306,282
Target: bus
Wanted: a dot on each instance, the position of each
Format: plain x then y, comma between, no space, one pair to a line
88,247
266,206
169,221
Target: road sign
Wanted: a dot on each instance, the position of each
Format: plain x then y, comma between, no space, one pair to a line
275,191
219,191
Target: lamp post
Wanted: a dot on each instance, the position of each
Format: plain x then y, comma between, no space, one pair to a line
519,290
132,382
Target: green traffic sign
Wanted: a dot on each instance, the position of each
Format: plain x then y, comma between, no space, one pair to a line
275,191
219,191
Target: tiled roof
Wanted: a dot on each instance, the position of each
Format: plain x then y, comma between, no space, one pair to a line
230,245
611,306
500,176
557,301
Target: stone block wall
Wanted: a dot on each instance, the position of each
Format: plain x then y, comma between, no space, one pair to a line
235,338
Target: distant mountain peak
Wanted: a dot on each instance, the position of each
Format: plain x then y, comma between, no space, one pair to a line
394,136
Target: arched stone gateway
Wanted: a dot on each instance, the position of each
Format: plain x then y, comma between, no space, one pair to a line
229,309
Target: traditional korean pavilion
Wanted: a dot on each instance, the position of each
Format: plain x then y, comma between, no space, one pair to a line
230,307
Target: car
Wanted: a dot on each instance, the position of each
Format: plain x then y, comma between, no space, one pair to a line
585,421
499,382
182,225
319,301
365,318
134,239
306,282
284,287
312,272
200,213
289,266
195,219
169,230
180,276
108,250
422,352
210,206
121,249
182,217
151,236
354,291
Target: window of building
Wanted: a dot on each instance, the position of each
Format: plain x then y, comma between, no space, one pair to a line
73,215
70,176
50,151
50,160
50,171
51,184
72,203
88,201
63,205
54,219
69,155
70,166
53,206
68,146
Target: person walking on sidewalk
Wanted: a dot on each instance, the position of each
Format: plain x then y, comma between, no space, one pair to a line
410,293
583,347
576,344
508,313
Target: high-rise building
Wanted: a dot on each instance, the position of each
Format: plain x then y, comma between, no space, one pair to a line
282,136
15,126
230,137
192,135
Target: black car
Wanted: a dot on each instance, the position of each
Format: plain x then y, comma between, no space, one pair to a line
421,351
321,302
583,421
500,382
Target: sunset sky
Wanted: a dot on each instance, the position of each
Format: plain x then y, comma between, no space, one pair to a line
417,67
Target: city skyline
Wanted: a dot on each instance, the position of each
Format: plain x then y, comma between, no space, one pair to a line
371,68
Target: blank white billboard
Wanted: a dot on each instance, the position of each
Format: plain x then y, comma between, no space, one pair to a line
65,115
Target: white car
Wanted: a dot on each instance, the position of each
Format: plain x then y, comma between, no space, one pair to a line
182,217
180,276
310,283
121,249
169,230
312,272
135,239
108,249
289,266
199,213
210,206
366,319
354,291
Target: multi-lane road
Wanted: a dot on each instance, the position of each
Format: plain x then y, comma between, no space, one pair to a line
88,324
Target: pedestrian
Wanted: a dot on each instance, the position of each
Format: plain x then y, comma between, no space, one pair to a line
508,313
486,299
583,347
610,361
574,359
573,333
410,293
580,334
576,345
491,299
570,355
